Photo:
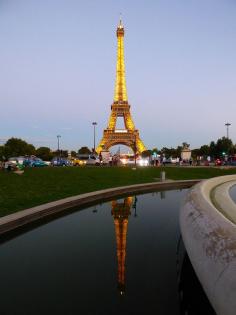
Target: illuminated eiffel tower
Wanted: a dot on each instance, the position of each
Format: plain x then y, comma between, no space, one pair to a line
120,212
120,108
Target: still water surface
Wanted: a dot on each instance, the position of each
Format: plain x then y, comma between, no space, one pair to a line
119,257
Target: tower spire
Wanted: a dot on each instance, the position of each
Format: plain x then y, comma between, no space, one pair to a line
120,85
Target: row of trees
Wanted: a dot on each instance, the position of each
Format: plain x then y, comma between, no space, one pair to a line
220,148
17,147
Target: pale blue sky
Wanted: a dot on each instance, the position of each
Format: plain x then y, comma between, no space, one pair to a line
57,69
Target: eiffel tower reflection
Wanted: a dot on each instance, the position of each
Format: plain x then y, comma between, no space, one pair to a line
121,210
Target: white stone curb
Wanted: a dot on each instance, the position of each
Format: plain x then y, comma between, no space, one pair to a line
207,222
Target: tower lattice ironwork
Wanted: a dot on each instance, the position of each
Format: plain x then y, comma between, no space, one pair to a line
120,107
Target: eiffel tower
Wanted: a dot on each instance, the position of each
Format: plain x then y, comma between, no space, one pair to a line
121,108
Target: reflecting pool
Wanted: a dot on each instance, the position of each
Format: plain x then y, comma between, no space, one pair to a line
119,257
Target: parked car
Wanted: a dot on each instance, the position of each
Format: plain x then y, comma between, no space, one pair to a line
219,162
17,160
93,160
38,163
88,159
59,161
78,161
171,160
130,160
33,161
231,160
48,163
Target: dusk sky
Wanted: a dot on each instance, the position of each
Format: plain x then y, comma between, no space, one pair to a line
58,60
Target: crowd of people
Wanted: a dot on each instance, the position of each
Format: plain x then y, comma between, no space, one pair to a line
162,161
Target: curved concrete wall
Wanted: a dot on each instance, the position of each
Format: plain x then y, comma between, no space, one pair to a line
207,222
24,217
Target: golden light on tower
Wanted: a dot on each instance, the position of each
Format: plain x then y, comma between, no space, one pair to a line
120,86
121,108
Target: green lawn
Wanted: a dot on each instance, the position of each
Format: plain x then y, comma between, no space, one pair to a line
40,185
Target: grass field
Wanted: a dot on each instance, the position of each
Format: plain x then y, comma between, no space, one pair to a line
40,185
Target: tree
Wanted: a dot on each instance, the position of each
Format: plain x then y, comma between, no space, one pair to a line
213,149
2,153
64,153
171,152
18,147
30,150
204,150
73,154
224,146
146,153
165,151
178,151
195,153
84,150
44,153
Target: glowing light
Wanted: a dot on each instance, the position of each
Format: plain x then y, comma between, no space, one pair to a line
123,161
121,130
143,162
120,86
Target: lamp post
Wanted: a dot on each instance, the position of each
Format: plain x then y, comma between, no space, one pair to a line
94,135
58,145
135,150
227,129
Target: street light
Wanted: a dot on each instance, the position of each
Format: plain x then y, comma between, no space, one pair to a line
135,150
94,135
227,129
58,144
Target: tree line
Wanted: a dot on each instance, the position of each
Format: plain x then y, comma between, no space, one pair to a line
218,149
17,147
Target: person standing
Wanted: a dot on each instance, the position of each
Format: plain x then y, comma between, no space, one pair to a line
164,161
177,161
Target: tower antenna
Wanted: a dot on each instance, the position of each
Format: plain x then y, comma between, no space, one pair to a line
120,19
